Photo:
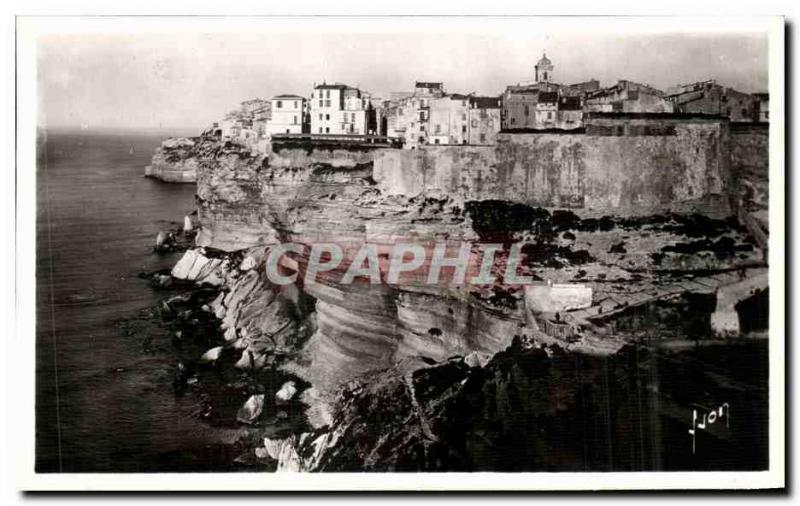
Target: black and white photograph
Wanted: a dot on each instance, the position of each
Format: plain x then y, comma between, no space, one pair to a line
431,253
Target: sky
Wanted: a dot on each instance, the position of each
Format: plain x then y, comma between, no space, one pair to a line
189,78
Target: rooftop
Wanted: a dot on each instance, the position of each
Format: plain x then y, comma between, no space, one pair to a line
544,61
427,84
485,102
331,86
289,96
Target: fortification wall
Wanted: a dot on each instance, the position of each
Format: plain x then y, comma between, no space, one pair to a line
624,166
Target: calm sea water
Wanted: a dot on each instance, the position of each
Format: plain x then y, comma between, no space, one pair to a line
102,402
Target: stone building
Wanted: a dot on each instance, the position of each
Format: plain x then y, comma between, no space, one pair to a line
543,70
518,107
339,109
708,97
407,115
448,121
570,113
529,109
545,110
484,120
627,96
287,115
580,89
428,89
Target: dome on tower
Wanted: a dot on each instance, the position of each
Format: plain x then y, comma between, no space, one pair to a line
544,61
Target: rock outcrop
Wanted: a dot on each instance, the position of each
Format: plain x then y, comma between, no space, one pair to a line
400,354
175,161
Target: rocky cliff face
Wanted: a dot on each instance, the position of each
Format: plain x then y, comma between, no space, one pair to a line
361,347
249,202
175,161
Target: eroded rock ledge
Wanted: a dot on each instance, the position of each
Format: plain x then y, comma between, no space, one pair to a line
175,161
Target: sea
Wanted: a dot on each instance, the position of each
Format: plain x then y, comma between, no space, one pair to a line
104,400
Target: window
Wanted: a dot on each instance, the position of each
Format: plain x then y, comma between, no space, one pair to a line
422,115
327,117
483,138
353,117
327,103
436,141
474,123
280,104
320,103
295,104
295,120
327,130
463,128
464,117
437,128
320,129
400,112
320,117
527,110
549,115
327,93
287,131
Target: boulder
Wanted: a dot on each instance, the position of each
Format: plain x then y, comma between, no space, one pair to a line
162,241
285,394
251,410
248,263
195,266
211,355
477,359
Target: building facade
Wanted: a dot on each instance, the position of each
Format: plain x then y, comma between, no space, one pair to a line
449,122
628,96
484,120
338,109
543,70
708,97
287,116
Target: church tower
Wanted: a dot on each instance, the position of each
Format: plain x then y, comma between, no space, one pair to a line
544,70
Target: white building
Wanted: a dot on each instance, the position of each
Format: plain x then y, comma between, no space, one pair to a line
338,109
286,115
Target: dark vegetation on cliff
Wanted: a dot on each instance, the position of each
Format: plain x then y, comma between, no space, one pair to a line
503,222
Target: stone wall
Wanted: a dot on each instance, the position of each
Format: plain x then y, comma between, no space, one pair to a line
621,166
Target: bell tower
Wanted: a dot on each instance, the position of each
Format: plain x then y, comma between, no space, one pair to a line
544,70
